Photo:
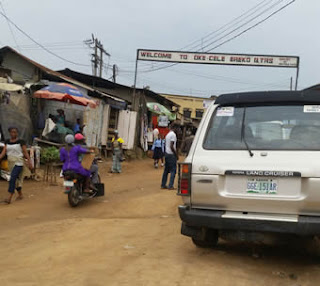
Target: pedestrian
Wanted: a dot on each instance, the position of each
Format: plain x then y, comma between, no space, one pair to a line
77,127
171,157
186,145
158,151
61,118
117,152
16,151
155,134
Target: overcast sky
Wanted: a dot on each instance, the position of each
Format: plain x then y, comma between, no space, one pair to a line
123,26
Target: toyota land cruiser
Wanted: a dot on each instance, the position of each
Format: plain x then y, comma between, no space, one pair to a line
254,167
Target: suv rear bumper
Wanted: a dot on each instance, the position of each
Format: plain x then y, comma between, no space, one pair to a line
195,219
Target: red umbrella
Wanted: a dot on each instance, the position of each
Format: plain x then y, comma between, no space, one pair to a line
65,92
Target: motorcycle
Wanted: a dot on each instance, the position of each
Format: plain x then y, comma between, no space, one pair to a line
74,188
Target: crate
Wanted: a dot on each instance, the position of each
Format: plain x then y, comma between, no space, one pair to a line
100,189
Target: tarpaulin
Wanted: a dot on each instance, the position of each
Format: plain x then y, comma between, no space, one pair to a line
11,116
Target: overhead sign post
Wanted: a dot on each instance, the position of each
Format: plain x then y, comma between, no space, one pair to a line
217,59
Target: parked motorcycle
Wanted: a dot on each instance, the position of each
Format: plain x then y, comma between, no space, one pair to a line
74,188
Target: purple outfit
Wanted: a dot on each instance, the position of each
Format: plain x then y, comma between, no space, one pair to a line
71,162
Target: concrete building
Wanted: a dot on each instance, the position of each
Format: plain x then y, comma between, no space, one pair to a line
191,107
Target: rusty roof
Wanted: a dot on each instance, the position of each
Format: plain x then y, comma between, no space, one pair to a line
57,74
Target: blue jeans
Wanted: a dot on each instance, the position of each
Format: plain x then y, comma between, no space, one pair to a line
15,173
169,167
116,164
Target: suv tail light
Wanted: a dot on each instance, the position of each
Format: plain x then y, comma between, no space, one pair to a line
184,186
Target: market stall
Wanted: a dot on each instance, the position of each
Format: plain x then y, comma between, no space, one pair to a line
159,117
64,112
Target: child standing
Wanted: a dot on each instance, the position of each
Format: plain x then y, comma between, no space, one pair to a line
158,151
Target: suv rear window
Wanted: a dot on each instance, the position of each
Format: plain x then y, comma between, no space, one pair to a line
281,127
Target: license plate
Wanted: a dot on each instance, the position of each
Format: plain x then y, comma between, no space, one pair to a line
262,186
68,183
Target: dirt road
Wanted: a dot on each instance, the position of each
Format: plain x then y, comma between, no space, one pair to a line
129,237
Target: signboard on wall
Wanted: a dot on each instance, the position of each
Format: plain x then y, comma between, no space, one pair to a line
163,121
218,58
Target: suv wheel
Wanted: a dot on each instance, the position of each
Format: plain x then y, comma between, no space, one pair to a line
210,239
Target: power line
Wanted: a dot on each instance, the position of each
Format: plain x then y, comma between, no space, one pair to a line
230,23
10,28
253,26
244,24
221,30
55,44
225,79
40,45
234,37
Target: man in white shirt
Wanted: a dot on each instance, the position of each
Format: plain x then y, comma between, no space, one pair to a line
171,157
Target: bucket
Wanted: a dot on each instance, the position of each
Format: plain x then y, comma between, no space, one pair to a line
4,165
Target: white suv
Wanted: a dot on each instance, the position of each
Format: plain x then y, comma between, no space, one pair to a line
253,168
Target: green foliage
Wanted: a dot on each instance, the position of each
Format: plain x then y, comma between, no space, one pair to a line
49,155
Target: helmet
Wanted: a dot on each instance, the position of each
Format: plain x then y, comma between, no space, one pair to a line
69,139
78,137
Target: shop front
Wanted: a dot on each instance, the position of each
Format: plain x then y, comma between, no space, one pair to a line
159,117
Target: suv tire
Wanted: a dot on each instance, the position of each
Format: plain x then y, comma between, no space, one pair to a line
210,239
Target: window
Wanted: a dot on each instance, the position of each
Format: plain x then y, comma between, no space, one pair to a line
290,127
199,113
187,112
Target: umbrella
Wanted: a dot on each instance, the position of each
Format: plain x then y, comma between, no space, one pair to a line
64,92
161,110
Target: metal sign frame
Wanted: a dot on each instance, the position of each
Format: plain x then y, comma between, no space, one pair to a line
253,60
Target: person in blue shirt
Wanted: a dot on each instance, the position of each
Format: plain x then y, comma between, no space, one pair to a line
77,127
158,151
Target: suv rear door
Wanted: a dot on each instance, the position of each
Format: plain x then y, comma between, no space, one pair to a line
282,176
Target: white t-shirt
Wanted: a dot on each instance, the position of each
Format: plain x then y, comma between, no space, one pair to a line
14,149
171,137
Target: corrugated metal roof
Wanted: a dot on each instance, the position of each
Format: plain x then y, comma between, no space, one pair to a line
59,75
103,83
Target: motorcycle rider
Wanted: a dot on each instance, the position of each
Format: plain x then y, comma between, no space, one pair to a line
94,169
69,156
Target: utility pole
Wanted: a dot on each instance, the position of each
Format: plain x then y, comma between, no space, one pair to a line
114,73
97,60
101,61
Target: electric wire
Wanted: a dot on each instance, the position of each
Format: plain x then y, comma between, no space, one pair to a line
223,28
10,28
253,26
236,36
40,45
231,23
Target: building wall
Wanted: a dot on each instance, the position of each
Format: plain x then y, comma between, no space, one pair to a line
122,93
21,70
190,102
93,120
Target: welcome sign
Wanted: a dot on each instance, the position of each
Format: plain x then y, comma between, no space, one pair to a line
218,58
